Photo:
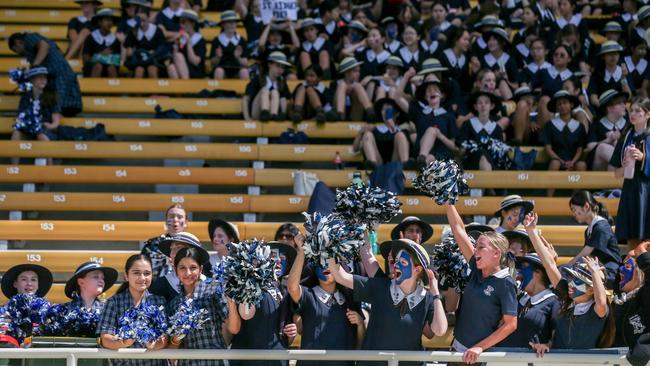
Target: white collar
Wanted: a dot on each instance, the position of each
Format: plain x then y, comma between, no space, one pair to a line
502,273
413,299
537,298
491,60
330,27
257,19
106,40
131,22
481,42
149,34
82,18
618,73
593,223
453,60
523,49
270,84
325,297
195,38
426,109
575,20
316,45
553,72
582,308
560,124
626,17
223,38
489,126
640,67
533,67
407,55
618,125
432,48
393,46
169,13
320,86
444,26
381,57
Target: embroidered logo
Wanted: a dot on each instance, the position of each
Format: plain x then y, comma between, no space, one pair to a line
637,324
488,291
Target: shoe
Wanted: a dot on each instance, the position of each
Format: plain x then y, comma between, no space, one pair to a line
320,116
369,165
265,115
296,115
280,117
421,162
333,116
370,115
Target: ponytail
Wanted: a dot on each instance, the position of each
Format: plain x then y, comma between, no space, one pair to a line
581,198
501,243
608,334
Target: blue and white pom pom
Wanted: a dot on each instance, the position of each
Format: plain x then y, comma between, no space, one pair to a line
450,265
75,321
142,323
25,311
495,149
366,205
187,318
331,237
443,181
249,271
17,76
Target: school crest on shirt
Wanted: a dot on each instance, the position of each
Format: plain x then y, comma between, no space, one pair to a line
488,290
637,324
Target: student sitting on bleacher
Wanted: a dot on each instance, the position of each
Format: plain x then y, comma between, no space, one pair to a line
638,72
350,97
272,39
314,49
190,50
39,113
102,52
147,50
229,53
605,132
608,74
129,21
310,97
267,94
79,27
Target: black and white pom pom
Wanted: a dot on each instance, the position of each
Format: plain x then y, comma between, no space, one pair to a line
331,237
366,205
443,181
449,264
249,270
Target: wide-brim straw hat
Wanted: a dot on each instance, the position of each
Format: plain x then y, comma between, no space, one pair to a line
71,286
427,230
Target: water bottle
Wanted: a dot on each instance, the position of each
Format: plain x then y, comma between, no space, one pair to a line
372,238
356,179
628,172
338,161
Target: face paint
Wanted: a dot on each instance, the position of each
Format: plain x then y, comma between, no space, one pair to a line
280,263
626,272
526,274
404,265
320,275
391,31
580,288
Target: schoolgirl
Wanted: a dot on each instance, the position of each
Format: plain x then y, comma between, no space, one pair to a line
584,320
79,27
269,325
252,19
392,77
583,48
132,293
331,12
314,49
613,32
392,29
478,127
433,39
330,319
524,120
600,241
102,51
549,80
604,133
287,234
222,234
351,100
402,308
566,15
643,17
480,47
455,57
518,242
499,61
267,94
374,56
228,56
523,37
537,62
411,53
309,97
383,143
638,72
89,281
190,49
147,49
563,136
129,21
609,75
511,212
354,38
273,38
631,153
486,82
488,307
168,20
221,313
175,222
39,112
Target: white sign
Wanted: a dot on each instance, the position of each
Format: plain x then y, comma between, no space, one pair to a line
279,10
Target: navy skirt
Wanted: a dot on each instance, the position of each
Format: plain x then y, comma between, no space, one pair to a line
633,218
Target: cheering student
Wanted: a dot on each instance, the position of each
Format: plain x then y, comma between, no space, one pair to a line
132,293
222,234
488,307
175,222
511,212
631,154
221,319
330,319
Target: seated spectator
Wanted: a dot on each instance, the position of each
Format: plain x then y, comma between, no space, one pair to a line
605,132
433,40
455,58
168,20
190,49
314,49
613,32
608,74
147,50
566,15
350,97
129,21
537,62
524,121
249,12
392,29
102,52
79,27
310,97
524,37
390,79
549,80
498,60
411,53
374,58
267,94
228,55
273,39
354,38
330,13
638,72
480,47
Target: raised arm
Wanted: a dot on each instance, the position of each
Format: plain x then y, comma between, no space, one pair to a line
458,229
545,255
600,296
368,259
293,281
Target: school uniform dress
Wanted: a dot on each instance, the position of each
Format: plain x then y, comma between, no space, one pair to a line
314,48
254,28
79,23
396,319
600,236
479,47
325,324
633,218
424,117
522,54
598,132
264,330
115,308
228,60
65,80
322,92
564,138
458,68
199,46
393,46
374,64
150,47
96,45
531,70
503,62
411,59
257,83
433,49
603,80
580,328
385,141
535,319
550,80
484,303
209,335
636,73
127,25
31,115
332,30
474,130
576,20
169,19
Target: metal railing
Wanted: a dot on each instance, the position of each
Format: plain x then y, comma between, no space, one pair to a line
392,358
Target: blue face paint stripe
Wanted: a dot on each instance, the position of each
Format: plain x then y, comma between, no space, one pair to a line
405,269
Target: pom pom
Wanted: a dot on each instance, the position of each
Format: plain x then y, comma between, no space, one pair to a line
443,181
366,205
496,150
27,312
143,323
17,76
188,317
249,270
449,264
331,237
77,321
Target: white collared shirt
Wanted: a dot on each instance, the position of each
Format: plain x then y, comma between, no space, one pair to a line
582,308
457,62
523,49
490,60
481,43
393,46
413,299
479,126
82,18
148,34
618,73
431,48
537,298
169,13
609,125
381,57
575,20
407,55
631,67
426,109
564,75
104,40
533,67
560,124
325,296
316,45
225,40
594,222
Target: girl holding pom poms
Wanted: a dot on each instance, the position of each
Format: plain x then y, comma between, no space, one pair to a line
330,320
199,316
133,317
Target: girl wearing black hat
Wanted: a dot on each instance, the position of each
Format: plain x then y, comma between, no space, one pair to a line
229,55
630,158
279,37
604,133
267,94
499,60
351,101
175,222
608,74
79,27
102,51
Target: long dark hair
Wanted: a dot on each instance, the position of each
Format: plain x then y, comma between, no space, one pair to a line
644,103
581,198
129,264
187,252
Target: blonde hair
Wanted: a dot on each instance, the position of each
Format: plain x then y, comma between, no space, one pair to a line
501,243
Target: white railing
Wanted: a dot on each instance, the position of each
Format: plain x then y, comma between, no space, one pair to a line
392,358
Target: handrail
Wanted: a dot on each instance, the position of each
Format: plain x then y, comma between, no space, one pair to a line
392,358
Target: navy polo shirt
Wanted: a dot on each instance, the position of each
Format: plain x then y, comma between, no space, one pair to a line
601,237
579,329
535,320
484,303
